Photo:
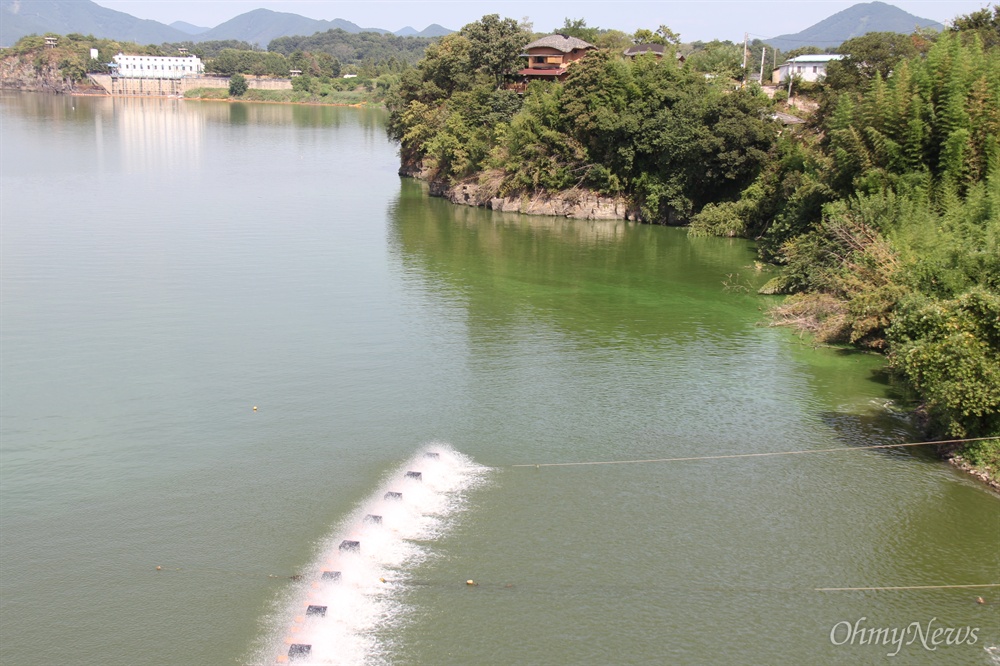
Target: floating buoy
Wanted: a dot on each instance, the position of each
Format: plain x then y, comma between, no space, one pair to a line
255,408
471,582
159,568
299,651
381,580
979,600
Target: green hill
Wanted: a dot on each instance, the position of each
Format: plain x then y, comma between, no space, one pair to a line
260,26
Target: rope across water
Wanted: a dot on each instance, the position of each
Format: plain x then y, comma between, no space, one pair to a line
839,449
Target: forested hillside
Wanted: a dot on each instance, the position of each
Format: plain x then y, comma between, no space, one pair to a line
355,48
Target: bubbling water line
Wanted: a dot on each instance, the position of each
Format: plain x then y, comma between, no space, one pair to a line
352,588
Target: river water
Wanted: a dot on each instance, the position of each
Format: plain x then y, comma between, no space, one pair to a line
169,266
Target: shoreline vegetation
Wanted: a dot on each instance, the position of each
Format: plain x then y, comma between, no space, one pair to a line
881,211
336,98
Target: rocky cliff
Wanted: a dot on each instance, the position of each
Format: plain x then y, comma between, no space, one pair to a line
576,203
31,73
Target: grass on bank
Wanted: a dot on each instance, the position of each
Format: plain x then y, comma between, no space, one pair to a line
352,97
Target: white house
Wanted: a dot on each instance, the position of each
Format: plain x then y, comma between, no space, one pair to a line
158,67
806,67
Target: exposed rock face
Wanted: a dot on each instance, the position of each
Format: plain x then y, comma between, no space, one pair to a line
577,204
20,72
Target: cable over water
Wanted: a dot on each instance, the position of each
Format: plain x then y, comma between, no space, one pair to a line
839,449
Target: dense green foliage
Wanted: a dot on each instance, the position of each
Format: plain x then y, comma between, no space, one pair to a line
888,220
648,129
206,50
365,47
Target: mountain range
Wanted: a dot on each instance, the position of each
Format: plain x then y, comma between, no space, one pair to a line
25,17
852,22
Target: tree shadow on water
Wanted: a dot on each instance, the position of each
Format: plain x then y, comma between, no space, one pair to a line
882,425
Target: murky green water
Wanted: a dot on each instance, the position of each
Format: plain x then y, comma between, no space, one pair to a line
168,265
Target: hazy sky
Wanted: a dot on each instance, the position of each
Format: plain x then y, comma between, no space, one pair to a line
704,20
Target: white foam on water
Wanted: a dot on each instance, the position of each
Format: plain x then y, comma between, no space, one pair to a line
360,603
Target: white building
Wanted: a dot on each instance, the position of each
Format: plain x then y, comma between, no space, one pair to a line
158,67
806,67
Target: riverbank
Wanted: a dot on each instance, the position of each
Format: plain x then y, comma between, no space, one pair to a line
334,98
987,475
982,461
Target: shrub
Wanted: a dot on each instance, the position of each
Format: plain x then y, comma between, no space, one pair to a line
237,85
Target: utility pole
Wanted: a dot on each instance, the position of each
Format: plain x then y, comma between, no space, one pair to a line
746,38
760,79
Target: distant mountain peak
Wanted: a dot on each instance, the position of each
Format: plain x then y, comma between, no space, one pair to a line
24,17
855,21
189,28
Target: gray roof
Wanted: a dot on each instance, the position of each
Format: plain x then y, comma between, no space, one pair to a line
560,42
786,119
819,57
644,48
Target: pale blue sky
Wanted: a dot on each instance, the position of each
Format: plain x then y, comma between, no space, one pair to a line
704,20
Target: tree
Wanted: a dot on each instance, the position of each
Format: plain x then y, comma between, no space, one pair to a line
719,58
496,45
988,26
663,35
302,83
578,28
802,50
237,85
876,53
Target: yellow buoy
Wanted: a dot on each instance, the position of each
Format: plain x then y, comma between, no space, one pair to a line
159,568
255,408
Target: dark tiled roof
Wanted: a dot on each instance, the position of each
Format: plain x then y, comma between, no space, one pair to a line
560,42
644,48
